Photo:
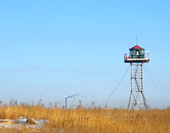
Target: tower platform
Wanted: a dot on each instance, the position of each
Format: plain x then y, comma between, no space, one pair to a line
130,59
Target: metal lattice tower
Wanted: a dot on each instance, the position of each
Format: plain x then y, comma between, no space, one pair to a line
137,57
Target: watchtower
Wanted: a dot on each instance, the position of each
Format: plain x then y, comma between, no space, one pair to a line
137,57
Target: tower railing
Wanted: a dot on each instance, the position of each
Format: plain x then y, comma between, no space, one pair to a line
144,57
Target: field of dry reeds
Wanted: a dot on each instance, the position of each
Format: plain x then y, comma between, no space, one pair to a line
86,120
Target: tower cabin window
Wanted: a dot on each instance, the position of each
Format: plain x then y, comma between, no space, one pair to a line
137,53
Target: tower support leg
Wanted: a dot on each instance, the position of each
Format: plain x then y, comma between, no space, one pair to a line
137,98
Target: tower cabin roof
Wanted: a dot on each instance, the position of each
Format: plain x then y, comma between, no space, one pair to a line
136,47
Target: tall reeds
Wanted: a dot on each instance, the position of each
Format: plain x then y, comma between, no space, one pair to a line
86,120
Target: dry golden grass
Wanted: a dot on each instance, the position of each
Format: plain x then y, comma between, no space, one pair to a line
89,120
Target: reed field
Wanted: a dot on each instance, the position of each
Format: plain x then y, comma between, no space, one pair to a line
87,120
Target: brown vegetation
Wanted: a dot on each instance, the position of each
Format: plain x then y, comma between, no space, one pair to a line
84,120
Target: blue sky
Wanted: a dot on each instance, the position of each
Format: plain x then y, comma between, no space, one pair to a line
58,48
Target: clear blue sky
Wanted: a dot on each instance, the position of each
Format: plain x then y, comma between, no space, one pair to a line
58,48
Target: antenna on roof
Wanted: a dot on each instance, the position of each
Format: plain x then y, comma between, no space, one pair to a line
136,39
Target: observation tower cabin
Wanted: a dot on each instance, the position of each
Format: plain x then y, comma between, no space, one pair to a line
137,54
